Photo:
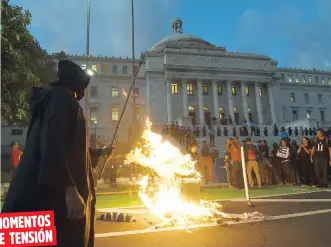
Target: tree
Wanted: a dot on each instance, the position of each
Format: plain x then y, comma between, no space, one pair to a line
24,63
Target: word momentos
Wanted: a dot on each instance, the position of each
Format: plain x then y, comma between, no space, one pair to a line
27,229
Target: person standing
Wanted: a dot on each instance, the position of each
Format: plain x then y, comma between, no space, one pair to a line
284,155
233,146
15,156
55,171
252,165
307,168
320,157
211,134
205,163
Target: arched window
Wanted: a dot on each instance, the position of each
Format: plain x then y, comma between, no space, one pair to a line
249,109
205,108
221,109
191,108
235,109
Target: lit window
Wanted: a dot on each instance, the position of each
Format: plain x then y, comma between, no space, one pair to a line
83,66
125,70
309,79
219,90
205,89
114,71
323,81
191,108
220,109
247,90
189,88
308,114
233,90
316,79
306,95
322,116
260,91
114,113
205,108
104,68
329,81
136,92
303,79
320,98
95,67
289,78
292,97
235,109
93,114
174,89
249,109
114,92
94,92
296,78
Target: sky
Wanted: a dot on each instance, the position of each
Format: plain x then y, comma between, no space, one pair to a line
297,33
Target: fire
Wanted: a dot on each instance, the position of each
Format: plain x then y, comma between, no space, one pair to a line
160,190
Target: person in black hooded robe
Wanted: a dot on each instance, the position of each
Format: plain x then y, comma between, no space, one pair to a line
55,171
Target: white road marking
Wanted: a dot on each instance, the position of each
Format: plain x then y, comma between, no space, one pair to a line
282,200
196,226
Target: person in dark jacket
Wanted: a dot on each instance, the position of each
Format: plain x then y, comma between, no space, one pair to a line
55,171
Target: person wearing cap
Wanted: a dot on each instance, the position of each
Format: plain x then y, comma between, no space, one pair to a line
55,172
320,157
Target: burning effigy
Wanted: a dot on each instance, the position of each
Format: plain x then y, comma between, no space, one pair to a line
171,188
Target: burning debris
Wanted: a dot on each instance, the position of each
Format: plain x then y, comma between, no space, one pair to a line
171,188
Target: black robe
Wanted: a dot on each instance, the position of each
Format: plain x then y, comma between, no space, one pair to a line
54,158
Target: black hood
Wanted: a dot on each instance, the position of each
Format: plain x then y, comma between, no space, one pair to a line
72,76
37,98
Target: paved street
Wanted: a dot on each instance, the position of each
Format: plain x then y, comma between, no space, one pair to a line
290,223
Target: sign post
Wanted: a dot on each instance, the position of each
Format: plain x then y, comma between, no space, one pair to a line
243,162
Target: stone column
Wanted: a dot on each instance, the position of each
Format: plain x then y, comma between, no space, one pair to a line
230,99
148,105
244,99
185,99
271,103
258,104
200,103
169,103
215,100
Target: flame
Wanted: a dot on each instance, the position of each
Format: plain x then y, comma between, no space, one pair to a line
160,191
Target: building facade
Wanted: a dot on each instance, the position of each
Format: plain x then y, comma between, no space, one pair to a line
185,76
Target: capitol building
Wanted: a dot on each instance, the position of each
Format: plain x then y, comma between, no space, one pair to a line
187,79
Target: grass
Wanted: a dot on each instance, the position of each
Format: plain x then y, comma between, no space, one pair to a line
126,200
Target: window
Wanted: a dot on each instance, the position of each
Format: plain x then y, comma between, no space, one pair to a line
247,90
306,96
322,116
17,132
93,114
83,66
235,109
221,109
205,108
114,114
125,70
309,79
191,108
219,90
323,81
174,89
283,77
296,78
114,71
316,79
303,79
189,88
205,89
94,92
292,97
260,91
294,115
329,81
104,68
233,90
249,109
136,92
289,78
320,98
308,113
95,67
114,92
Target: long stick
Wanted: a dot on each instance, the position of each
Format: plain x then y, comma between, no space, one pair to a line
243,162
122,114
